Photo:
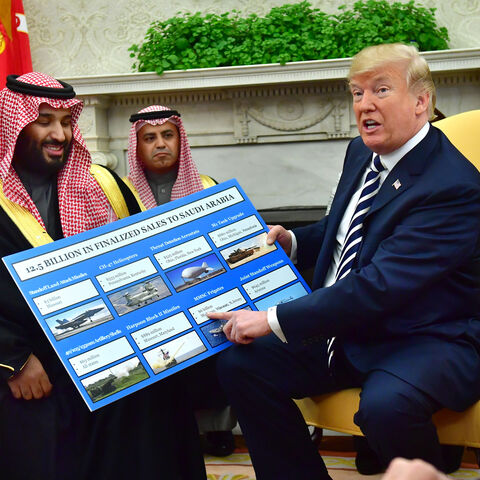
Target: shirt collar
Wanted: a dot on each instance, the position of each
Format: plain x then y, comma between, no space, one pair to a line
389,160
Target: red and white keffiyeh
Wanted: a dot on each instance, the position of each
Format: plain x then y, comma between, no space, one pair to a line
82,203
188,179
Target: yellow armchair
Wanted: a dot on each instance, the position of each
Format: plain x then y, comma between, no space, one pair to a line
463,130
335,411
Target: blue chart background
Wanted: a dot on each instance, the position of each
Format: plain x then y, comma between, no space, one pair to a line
154,310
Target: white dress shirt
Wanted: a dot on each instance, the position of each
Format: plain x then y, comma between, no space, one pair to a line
389,161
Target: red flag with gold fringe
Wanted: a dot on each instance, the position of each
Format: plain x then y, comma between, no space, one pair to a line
15,57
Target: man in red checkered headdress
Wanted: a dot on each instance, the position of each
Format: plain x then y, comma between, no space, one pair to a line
57,160
160,162
49,189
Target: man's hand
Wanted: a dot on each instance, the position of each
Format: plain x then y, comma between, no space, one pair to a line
243,326
31,382
282,236
401,469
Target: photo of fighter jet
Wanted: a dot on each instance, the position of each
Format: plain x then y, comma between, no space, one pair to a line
78,320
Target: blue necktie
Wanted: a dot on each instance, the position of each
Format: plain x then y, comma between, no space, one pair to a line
354,236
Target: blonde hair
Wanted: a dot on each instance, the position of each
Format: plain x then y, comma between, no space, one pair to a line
419,79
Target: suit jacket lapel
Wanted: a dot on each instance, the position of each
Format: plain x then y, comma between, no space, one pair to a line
404,174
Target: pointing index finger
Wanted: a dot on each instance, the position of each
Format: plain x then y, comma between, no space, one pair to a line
219,315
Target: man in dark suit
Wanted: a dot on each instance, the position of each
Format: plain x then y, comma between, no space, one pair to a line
396,290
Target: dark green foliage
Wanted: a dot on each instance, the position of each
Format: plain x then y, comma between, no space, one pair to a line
377,21
292,32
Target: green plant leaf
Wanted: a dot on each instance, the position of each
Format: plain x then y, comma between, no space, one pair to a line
291,32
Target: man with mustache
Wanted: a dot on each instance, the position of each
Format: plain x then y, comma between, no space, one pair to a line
161,169
160,162
49,189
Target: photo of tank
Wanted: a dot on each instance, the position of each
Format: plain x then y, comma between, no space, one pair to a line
115,379
241,253
247,250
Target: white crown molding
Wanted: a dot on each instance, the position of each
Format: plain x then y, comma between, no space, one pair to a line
252,75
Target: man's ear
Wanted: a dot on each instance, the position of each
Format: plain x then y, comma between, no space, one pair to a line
423,100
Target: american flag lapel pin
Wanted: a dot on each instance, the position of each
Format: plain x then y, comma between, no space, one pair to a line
396,184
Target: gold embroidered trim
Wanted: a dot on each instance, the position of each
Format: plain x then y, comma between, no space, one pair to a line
111,189
129,184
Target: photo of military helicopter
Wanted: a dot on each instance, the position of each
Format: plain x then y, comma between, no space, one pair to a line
145,296
139,295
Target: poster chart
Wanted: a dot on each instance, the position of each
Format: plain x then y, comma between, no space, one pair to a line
125,305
